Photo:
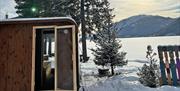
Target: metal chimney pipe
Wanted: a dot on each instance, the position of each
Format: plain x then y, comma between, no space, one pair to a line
6,16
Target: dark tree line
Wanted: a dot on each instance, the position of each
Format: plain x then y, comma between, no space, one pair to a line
95,11
48,8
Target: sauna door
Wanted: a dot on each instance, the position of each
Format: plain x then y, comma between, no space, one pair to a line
65,75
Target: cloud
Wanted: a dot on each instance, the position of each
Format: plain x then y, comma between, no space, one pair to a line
177,11
175,7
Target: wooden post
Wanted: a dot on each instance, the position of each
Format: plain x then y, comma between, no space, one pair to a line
177,60
172,65
162,66
167,65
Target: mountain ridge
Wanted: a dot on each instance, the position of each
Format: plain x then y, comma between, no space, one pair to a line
146,26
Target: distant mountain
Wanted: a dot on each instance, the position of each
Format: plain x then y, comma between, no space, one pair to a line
146,25
170,30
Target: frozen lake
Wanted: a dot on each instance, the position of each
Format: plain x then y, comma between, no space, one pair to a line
136,47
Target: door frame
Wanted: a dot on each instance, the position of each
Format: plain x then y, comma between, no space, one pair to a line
73,55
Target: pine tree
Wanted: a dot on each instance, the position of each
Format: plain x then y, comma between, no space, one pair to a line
149,73
107,47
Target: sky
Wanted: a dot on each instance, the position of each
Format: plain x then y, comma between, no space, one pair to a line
122,8
127,8
7,7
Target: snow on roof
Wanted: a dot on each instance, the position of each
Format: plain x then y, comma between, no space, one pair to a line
39,19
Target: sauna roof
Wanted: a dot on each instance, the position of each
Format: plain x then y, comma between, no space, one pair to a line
36,20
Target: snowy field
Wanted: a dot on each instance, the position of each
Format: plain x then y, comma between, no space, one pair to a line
128,80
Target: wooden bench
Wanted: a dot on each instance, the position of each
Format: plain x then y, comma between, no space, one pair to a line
169,65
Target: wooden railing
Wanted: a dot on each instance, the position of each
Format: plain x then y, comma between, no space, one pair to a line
169,65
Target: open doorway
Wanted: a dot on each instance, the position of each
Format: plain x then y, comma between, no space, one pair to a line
45,59
55,59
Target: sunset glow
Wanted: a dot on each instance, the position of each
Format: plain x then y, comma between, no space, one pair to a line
127,8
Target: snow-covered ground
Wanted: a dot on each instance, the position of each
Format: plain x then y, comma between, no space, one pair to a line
128,80
124,83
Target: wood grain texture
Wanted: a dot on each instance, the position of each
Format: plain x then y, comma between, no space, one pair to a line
15,57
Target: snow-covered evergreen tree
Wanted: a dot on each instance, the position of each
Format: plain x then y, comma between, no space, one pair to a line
107,47
149,73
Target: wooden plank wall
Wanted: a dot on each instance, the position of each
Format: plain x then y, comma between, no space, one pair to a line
15,57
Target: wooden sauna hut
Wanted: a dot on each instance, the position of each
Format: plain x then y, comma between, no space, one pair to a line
39,54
